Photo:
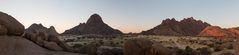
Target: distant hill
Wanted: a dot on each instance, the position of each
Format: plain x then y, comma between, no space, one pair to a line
94,25
186,27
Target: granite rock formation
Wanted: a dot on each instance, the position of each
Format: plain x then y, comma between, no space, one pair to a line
94,25
11,24
186,27
12,42
3,30
45,37
16,45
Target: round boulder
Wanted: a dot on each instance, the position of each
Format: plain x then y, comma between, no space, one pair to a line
3,30
13,26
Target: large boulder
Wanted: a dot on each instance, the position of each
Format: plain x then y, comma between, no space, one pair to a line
3,30
94,25
52,35
186,27
12,44
144,47
12,25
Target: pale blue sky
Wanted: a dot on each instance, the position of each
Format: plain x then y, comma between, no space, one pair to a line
125,15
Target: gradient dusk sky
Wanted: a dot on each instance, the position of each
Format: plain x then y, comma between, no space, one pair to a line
125,15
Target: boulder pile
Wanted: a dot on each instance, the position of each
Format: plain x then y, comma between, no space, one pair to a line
12,42
45,37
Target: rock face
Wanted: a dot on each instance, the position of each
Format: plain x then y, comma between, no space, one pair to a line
16,45
44,37
3,30
12,42
94,25
185,27
216,31
144,47
11,24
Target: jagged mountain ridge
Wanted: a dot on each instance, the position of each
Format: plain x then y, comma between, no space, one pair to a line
186,27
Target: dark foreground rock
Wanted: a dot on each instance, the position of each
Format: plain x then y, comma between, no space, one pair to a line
3,30
144,47
15,45
12,41
94,25
11,24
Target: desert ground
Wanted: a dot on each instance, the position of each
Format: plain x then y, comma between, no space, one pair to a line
214,45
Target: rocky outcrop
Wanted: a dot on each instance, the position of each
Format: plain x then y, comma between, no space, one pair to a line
3,30
15,45
12,42
45,37
12,26
216,31
94,25
144,47
186,27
